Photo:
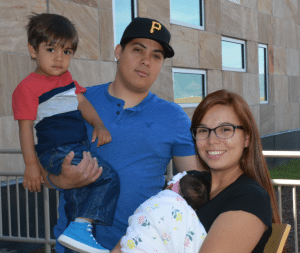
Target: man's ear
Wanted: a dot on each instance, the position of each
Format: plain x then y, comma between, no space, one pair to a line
31,51
118,51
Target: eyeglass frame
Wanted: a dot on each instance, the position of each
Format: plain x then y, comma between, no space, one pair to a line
214,129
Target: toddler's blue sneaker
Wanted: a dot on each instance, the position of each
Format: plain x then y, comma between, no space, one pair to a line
78,236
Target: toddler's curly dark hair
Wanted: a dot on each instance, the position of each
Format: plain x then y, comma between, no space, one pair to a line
52,29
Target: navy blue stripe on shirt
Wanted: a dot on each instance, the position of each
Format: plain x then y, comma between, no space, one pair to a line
46,96
60,129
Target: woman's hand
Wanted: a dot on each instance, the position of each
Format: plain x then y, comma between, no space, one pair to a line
85,173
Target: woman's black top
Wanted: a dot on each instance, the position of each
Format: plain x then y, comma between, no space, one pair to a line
245,194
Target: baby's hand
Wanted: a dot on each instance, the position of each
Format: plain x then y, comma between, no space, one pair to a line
169,187
102,134
33,178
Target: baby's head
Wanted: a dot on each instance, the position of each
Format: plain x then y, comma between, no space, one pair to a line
193,187
52,29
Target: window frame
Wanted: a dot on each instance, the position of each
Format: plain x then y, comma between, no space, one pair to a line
133,15
202,18
190,71
244,58
266,73
235,1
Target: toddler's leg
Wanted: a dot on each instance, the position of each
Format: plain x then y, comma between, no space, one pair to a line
100,203
78,235
95,202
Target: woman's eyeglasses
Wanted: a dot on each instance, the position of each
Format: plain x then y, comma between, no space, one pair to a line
222,132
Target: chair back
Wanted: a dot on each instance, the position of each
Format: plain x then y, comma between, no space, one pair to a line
278,238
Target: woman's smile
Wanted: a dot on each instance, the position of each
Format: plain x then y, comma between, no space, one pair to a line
215,154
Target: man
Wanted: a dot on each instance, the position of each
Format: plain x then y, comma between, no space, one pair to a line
147,132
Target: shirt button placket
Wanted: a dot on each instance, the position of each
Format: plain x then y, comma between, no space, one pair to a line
118,112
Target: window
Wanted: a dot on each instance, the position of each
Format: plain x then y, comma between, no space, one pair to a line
263,72
187,13
235,1
233,55
124,11
189,86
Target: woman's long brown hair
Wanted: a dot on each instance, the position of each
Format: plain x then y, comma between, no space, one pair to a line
252,161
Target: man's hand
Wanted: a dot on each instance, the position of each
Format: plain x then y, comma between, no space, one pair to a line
102,134
33,178
72,176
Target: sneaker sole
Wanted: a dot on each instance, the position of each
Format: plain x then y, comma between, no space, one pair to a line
78,246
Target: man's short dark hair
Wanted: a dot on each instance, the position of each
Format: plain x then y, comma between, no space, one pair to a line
52,29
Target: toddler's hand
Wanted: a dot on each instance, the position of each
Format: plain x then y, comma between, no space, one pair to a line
102,134
33,178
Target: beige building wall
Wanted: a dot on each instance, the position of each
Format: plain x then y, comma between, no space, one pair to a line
272,22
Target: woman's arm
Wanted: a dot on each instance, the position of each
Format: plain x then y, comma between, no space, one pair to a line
233,232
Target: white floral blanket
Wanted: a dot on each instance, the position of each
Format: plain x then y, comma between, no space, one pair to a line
164,223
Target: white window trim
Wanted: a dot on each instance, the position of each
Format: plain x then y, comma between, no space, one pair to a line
235,1
267,74
198,27
242,42
114,19
190,71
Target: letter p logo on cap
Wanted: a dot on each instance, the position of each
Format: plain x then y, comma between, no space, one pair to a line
155,26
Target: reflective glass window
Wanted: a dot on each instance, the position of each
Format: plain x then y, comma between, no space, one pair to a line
263,72
233,54
187,13
189,86
124,12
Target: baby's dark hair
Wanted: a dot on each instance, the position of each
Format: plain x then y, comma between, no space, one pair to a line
52,29
195,189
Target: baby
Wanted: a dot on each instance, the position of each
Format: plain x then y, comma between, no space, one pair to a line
157,225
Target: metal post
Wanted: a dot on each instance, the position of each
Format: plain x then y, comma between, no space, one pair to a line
1,207
280,202
8,206
18,206
47,219
295,218
169,171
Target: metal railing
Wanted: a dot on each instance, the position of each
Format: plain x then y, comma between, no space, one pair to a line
13,179
17,177
287,182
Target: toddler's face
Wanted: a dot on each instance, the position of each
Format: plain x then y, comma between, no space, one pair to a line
52,60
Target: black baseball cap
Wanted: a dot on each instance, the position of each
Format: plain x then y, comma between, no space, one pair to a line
149,29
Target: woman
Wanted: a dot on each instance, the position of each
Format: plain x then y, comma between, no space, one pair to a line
239,214
238,218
